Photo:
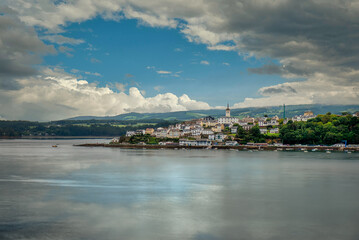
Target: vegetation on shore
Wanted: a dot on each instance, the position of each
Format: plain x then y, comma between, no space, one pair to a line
76,128
324,129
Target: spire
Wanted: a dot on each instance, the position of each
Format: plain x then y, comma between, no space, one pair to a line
228,111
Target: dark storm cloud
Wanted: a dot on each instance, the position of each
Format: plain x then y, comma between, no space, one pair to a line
325,33
266,69
277,90
20,49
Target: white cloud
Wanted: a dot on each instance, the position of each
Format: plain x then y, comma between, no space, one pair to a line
204,62
121,87
163,72
312,91
95,60
93,74
253,28
57,95
158,88
59,39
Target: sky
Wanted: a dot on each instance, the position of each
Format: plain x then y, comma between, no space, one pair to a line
60,59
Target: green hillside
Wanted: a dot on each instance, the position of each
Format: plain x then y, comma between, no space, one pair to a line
238,112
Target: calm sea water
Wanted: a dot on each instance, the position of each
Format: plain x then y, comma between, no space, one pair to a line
103,193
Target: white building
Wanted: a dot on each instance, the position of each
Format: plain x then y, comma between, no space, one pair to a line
227,119
130,133
247,127
140,132
231,143
274,130
263,130
173,133
200,142
217,137
207,132
234,130
274,122
160,132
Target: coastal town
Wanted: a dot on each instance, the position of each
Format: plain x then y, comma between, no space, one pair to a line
209,131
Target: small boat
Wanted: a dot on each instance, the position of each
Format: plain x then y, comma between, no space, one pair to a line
305,151
328,151
54,145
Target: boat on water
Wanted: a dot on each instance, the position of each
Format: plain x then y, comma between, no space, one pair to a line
328,151
54,145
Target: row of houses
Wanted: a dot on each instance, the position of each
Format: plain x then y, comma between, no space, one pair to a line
211,129
204,142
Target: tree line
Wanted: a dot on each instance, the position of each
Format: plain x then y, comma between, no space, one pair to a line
75,128
326,129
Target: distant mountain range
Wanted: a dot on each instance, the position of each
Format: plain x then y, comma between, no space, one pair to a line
291,111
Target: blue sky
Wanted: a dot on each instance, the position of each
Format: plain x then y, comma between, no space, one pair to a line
60,59
132,54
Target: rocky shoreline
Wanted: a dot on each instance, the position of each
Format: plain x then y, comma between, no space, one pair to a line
240,147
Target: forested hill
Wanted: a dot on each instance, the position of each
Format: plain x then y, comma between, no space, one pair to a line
237,112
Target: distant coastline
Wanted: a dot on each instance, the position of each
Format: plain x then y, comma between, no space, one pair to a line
56,137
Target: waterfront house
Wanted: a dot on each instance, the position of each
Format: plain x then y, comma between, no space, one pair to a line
140,132
207,132
231,143
149,131
161,132
130,133
199,142
173,133
219,137
274,130
115,140
234,130
247,127
263,130
262,123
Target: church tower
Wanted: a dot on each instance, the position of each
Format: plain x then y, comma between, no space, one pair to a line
228,111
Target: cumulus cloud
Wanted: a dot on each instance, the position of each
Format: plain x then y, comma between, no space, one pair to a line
313,40
95,60
93,74
121,86
66,50
158,88
20,50
59,39
163,72
56,94
204,62
315,90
